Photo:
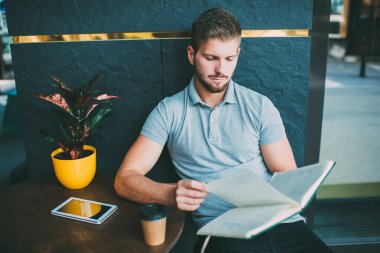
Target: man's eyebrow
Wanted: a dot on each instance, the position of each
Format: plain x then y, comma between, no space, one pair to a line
205,54
211,55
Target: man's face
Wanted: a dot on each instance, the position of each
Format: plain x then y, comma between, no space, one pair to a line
215,63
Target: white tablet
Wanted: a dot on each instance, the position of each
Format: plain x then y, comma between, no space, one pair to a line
84,210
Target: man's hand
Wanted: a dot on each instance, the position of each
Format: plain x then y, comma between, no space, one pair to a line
190,194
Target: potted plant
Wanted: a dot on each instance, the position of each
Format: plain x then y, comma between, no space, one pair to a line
79,113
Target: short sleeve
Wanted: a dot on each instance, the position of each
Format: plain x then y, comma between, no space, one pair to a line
156,125
272,128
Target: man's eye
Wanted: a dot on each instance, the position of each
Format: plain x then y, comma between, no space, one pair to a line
210,58
231,59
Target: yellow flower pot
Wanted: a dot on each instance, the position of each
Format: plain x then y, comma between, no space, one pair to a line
75,174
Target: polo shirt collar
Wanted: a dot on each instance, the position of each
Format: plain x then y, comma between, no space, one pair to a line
229,97
193,94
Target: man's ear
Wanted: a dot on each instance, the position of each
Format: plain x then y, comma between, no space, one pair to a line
190,54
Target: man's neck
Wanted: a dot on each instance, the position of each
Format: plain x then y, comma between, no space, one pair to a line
209,98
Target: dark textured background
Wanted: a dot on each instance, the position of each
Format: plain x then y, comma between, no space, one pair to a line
90,16
275,67
143,72
132,72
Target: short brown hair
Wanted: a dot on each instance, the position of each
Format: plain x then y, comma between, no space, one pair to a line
215,23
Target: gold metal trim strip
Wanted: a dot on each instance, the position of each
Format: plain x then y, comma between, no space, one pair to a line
148,36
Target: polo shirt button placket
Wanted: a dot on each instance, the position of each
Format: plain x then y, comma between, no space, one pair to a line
213,129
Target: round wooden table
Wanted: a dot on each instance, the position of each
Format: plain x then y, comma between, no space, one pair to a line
28,226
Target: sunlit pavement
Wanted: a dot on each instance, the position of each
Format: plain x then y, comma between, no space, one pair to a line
351,123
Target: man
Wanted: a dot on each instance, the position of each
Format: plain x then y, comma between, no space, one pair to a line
213,126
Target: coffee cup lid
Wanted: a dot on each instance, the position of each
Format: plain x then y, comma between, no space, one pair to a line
152,212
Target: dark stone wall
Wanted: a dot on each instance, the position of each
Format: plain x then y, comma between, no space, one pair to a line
132,72
275,67
88,16
279,69
143,72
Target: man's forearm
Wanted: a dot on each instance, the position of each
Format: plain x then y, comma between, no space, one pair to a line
138,188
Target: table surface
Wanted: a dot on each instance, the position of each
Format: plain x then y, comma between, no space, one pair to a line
28,226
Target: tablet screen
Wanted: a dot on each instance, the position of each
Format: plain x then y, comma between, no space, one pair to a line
84,210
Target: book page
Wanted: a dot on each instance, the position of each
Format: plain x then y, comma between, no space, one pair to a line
245,188
247,221
302,183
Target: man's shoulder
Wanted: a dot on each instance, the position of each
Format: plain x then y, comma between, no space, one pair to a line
246,94
174,103
175,99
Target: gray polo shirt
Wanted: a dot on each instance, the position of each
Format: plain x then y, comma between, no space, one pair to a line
204,142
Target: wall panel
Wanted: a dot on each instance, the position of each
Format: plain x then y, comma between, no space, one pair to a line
278,68
275,67
38,17
132,71
152,69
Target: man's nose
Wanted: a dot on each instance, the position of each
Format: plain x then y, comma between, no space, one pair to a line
219,67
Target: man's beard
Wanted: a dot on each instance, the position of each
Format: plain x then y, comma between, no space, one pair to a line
211,88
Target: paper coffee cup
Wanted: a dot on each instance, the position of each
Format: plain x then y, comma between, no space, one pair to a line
153,223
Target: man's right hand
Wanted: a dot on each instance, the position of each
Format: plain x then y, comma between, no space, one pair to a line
190,194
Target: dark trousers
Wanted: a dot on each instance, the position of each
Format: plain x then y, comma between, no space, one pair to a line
294,237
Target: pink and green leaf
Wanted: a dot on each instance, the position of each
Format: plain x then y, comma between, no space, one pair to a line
87,88
96,120
106,97
62,86
57,100
90,109
64,125
49,136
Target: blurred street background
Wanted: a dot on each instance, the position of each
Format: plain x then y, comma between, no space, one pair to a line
350,131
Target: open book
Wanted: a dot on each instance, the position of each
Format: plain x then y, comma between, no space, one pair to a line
260,204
